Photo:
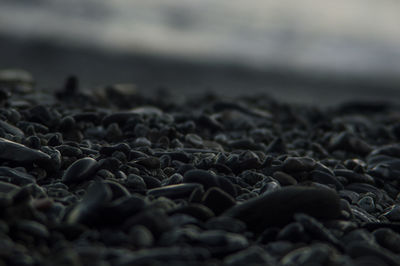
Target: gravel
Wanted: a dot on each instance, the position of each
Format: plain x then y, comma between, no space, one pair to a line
202,181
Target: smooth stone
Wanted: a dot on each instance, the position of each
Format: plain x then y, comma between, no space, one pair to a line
80,170
68,150
325,178
198,211
252,177
393,214
253,255
298,164
117,211
88,210
194,139
277,146
392,150
209,180
118,191
278,207
154,220
388,239
12,151
175,191
221,242
175,155
13,130
109,150
6,187
316,229
16,177
367,203
135,182
347,142
316,254
358,235
141,237
361,249
174,179
149,162
118,117
226,223
353,177
362,215
151,182
366,188
164,256
284,179
218,200
293,232
32,228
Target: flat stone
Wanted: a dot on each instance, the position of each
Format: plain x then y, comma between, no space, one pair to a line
15,152
278,207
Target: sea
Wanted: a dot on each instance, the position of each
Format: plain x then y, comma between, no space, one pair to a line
342,36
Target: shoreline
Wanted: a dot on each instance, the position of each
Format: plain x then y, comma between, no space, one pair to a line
52,63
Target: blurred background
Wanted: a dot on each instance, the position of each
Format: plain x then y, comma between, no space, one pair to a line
298,51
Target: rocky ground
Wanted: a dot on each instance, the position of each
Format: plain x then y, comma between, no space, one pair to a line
118,178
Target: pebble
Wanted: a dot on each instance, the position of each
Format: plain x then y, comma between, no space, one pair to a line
278,207
208,180
175,191
80,170
251,256
218,200
116,177
393,214
87,211
15,152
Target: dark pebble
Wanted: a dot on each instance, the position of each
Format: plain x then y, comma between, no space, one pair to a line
278,207
195,210
15,152
218,200
80,170
175,191
208,180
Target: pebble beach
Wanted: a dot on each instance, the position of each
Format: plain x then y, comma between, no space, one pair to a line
114,176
